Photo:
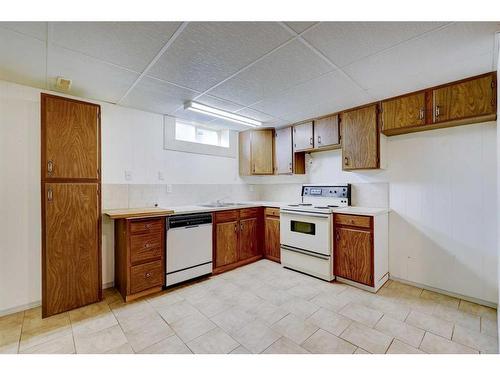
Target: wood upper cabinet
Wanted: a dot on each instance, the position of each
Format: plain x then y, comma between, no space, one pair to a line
360,138
71,251
403,112
286,161
303,136
326,132
464,99
70,138
256,152
272,234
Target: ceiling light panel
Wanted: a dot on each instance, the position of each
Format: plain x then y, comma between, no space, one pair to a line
215,112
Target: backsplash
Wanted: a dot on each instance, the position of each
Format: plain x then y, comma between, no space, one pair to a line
130,196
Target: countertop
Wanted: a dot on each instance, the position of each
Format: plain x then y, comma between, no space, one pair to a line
134,213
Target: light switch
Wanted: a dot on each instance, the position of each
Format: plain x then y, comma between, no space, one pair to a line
169,188
128,175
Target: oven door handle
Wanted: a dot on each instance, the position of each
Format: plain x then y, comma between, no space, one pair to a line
302,213
305,252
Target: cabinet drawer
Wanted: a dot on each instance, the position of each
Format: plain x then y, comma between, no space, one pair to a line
353,220
249,212
151,225
146,276
272,211
224,216
144,247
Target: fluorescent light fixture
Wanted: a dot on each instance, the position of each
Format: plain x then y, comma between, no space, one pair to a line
211,111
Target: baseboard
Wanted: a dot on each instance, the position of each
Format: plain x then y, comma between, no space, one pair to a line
445,292
27,306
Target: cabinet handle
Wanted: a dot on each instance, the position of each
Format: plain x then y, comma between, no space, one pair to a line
235,228
147,245
49,195
337,236
241,226
346,160
437,111
147,275
421,114
147,226
311,141
50,167
319,139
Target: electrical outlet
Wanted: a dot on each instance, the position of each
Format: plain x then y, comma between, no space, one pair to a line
169,188
128,175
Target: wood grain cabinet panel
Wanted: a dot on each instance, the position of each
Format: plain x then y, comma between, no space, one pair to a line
226,240
326,132
403,112
284,151
71,264
360,139
354,255
146,276
71,142
272,237
470,98
249,238
146,247
303,137
256,150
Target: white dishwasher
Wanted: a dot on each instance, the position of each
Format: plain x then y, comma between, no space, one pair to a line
189,247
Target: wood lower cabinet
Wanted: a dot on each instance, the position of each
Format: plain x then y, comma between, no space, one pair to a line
272,234
360,138
139,256
326,132
403,112
256,149
71,204
361,251
237,238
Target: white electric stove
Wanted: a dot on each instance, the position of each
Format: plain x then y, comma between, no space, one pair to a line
306,229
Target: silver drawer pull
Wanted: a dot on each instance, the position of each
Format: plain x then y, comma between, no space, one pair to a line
147,275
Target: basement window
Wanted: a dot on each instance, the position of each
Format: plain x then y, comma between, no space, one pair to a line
200,134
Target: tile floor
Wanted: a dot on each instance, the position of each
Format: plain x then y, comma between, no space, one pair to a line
261,308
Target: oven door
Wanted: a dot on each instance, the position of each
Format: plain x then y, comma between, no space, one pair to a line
306,230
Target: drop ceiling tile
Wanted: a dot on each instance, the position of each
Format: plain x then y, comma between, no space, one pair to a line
91,78
157,96
219,103
22,59
455,52
129,44
345,42
257,115
298,27
35,29
208,52
326,94
285,68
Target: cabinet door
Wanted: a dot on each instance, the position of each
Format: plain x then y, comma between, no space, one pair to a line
326,132
226,243
262,151
70,138
249,239
471,98
403,112
303,136
272,238
284,151
71,250
360,139
353,255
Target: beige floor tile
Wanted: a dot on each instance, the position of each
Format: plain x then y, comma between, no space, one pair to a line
9,348
215,341
34,325
211,305
483,343
9,338
148,334
430,323
400,288
329,321
245,300
489,327
111,295
193,293
322,342
361,351
300,307
165,299
100,342
60,345
30,339
409,334
285,346
233,319
361,314
241,350
256,336
123,349
438,345
389,307
274,295
305,292
267,312
295,328
441,299
11,320
331,301
399,347
422,305
472,322
171,345
367,338
192,326
476,309
177,311
92,318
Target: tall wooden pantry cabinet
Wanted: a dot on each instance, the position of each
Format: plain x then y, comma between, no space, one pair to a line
71,203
